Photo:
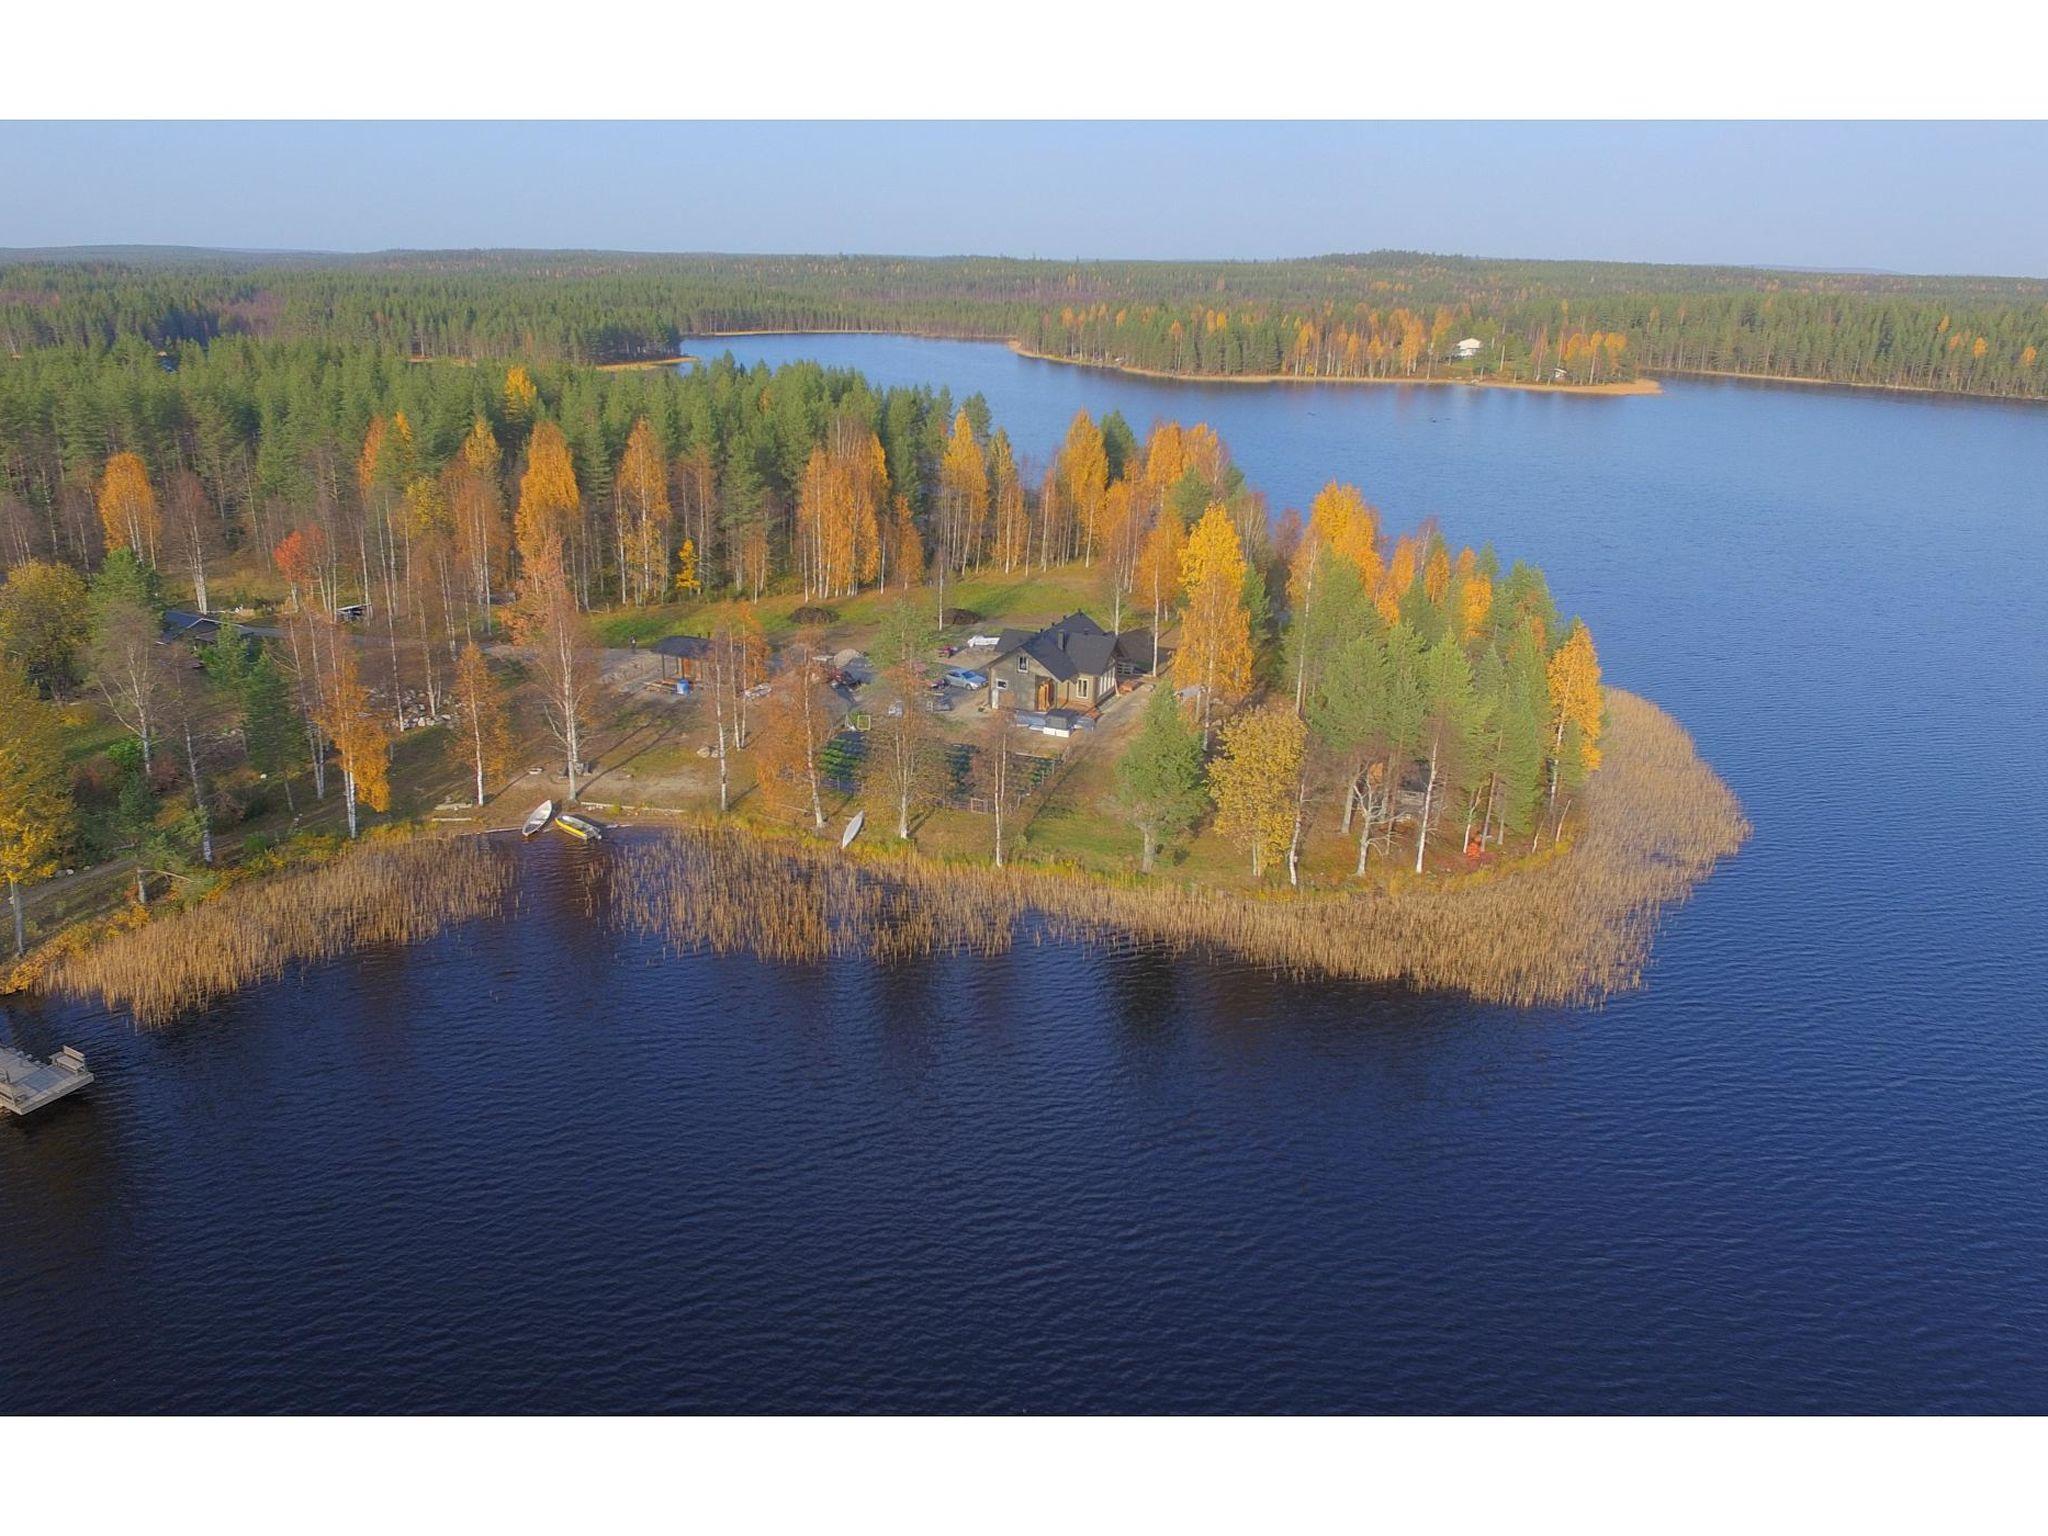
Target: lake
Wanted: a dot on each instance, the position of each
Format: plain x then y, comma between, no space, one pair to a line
541,1165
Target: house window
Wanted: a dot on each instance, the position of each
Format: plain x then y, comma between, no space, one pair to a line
1023,665
1081,687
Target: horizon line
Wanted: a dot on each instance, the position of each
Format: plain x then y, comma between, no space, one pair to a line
116,249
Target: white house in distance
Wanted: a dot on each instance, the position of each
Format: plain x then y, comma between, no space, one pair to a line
1468,349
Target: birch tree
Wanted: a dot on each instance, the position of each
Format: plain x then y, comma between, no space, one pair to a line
35,792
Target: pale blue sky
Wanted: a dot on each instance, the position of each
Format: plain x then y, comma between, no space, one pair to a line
1898,196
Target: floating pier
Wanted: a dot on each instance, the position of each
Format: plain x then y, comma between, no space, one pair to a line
26,1084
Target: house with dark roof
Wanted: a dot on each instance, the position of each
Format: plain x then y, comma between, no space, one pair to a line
683,656
192,628
1073,664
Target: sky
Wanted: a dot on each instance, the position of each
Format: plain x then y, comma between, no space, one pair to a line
1901,197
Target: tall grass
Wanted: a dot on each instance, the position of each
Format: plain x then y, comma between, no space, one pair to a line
397,892
1572,927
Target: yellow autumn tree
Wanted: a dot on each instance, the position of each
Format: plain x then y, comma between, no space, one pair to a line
522,398
1157,581
1475,595
1341,522
361,739
1577,707
687,584
1398,579
1123,535
1254,781
1166,458
564,660
480,449
548,497
1216,630
1436,572
128,507
962,501
1082,469
476,506
643,516
1012,537
839,501
35,790
906,546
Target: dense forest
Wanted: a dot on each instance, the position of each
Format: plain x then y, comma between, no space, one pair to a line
1379,315
379,521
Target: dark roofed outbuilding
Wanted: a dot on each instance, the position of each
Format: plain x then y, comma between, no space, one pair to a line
684,656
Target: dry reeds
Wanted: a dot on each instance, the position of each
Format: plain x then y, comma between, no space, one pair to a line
1571,928
1574,926
252,930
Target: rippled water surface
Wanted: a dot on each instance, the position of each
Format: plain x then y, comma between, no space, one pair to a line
542,1165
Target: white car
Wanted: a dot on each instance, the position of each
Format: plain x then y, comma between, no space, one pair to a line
963,677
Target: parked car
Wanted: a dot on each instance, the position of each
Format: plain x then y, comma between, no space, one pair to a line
966,677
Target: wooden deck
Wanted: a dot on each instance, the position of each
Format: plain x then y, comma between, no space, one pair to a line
26,1085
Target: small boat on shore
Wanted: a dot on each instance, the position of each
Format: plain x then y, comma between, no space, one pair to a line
581,827
542,813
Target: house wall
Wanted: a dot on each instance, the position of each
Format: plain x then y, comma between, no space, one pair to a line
1022,692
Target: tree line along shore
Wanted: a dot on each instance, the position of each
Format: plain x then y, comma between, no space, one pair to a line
425,586
1385,315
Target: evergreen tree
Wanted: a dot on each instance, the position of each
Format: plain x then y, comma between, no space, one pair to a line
1159,777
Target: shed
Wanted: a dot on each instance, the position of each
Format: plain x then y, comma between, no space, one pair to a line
683,656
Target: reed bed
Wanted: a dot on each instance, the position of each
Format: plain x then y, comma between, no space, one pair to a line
397,892
1572,928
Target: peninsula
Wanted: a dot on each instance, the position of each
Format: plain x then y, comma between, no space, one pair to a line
880,691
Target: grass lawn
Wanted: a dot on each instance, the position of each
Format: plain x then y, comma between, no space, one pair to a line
1015,599
87,730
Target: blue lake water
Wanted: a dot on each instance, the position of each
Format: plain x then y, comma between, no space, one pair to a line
541,1165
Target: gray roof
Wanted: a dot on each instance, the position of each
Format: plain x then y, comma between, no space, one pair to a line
682,645
181,625
1077,646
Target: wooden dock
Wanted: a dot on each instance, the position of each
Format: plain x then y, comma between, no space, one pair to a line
26,1084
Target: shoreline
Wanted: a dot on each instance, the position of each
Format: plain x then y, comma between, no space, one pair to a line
1622,388
1802,381
1570,926
1625,387
1645,383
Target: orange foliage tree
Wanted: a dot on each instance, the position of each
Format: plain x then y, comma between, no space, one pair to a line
358,732
548,496
128,507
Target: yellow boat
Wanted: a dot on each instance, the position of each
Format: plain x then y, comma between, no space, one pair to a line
580,826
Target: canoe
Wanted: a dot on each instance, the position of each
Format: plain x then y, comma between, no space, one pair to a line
860,819
539,818
580,826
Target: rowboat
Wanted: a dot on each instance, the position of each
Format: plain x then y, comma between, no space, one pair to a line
580,826
539,818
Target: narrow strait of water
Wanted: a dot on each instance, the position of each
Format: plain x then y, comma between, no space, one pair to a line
538,1165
